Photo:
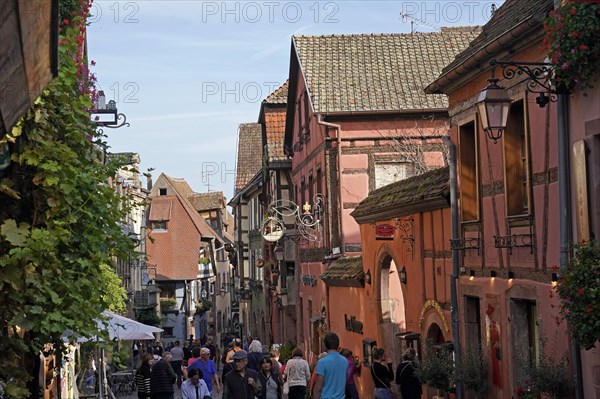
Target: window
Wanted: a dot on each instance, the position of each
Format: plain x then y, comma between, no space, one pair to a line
167,331
159,225
167,290
392,171
319,181
311,188
162,191
472,324
302,193
306,128
299,111
516,163
469,178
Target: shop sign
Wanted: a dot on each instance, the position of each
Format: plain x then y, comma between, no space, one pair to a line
384,232
353,325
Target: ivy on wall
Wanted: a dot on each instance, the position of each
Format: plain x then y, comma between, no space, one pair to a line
59,220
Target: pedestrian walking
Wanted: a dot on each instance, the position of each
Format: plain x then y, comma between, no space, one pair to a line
331,371
269,382
382,374
177,361
211,347
142,376
255,355
241,382
351,391
162,378
297,375
406,378
195,387
209,371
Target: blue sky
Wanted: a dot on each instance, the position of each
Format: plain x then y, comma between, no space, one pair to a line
187,73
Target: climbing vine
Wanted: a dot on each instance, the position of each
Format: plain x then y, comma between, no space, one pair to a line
59,220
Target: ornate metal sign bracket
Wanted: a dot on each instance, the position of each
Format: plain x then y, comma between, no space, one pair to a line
307,220
406,230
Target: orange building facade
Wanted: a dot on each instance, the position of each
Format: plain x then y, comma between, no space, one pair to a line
509,205
396,295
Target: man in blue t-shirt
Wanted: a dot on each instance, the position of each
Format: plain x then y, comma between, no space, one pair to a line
209,371
331,371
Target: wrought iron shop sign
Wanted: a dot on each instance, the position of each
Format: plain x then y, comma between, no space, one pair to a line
352,324
307,219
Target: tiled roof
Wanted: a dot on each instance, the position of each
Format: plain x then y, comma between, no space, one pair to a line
344,272
279,96
378,72
249,159
275,130
406,196
506,17
207,201
160,211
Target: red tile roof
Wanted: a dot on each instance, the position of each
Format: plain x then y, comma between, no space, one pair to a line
377,72
175,251
249,156
160,211
279,96
275,130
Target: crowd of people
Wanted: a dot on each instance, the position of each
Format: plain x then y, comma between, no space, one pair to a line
249,371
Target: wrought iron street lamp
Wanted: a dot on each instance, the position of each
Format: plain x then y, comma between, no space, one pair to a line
279,253
403,275
493,103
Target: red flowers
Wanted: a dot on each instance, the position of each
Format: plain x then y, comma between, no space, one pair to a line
581,291
583,47
573,11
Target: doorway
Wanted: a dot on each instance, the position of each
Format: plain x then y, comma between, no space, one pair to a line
393,318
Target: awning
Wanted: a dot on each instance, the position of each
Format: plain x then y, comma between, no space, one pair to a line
120,328
345,272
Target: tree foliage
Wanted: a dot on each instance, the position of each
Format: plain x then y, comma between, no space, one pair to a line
59,221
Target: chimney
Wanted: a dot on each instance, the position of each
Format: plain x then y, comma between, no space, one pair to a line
148,180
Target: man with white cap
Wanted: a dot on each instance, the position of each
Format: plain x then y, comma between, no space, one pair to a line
241,382
209,371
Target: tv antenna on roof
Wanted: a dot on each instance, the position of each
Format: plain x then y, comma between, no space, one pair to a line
414,20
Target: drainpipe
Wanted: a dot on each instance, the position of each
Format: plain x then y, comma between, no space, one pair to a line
338,135
455,263
564,205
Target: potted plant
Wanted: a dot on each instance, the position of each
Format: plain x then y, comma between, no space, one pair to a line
572,43
546,376
203,306
203,260
579,294
167,304
437,369
473,372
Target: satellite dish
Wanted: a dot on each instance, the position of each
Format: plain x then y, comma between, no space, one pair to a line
259,263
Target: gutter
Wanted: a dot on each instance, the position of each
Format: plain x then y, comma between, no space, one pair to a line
338,129
455,260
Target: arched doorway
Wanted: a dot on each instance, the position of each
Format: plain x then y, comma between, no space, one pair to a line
435,336
393,318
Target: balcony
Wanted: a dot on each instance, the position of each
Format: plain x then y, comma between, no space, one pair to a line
144,299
